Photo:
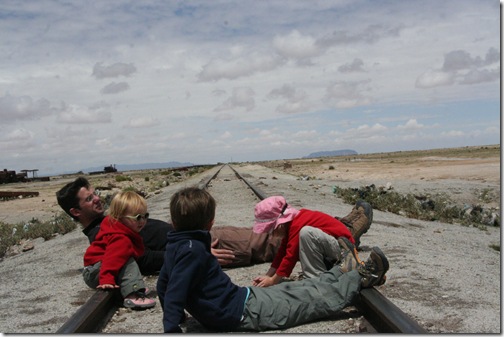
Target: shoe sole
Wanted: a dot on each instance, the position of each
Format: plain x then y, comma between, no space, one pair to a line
129,304
368,210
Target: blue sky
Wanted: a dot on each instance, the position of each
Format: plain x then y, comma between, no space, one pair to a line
93,83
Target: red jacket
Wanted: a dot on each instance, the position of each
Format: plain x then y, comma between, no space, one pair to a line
114,245
288,252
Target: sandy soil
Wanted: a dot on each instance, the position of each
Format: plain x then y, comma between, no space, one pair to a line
443,275
418,174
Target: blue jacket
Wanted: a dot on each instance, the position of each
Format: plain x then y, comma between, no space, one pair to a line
192,279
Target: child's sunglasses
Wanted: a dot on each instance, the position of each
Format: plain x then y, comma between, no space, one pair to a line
138,217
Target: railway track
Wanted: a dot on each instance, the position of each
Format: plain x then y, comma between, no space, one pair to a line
377,312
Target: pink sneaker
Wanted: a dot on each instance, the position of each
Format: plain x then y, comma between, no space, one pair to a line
134,301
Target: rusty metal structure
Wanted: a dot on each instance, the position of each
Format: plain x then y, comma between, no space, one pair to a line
10,176
106,169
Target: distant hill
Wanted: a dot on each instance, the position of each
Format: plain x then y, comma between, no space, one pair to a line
135,167
331,153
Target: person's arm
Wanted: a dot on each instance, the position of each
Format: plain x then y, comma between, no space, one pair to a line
271,278
151,261
224,256
185,272
117,253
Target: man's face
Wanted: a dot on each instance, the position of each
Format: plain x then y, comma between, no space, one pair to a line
90,205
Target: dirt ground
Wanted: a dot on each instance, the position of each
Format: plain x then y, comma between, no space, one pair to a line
445,276
469,171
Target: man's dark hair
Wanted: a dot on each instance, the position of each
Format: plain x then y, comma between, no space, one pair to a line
67,196
192,208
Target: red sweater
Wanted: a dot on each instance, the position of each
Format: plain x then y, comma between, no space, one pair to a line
113,246
288,252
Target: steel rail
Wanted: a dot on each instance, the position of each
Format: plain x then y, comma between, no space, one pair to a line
386,316
93,315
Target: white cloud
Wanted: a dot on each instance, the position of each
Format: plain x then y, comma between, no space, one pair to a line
240,98
238,66
73,114
113,70
114,88
453,133
296,46
410,125
434,78
17,140
142,122
476,76
296,99
14,108
346,94
355,66
226,135
460,64
18,135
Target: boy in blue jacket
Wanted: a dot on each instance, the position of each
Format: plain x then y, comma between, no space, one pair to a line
192,279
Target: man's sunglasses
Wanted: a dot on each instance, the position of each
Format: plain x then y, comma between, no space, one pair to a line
138,217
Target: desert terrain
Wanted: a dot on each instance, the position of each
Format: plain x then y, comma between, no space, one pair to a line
445,276
464,172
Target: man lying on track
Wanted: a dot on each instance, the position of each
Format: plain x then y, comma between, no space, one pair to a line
232,246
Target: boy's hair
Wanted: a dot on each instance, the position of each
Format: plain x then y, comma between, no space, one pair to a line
192,208
67,195
126,202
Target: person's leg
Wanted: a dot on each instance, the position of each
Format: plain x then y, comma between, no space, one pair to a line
315,248
91,275
293,303
130,279
133,287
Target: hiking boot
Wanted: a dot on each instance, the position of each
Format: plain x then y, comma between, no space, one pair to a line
374,269
350,258
359,220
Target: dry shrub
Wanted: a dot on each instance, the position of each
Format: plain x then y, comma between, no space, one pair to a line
429,208
11,235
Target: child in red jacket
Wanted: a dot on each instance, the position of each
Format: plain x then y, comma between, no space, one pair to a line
310,237
110,260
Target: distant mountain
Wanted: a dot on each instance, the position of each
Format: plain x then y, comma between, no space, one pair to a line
331,153
135,167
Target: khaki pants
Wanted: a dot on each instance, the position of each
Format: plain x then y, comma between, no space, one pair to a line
249,248
288,304
317,250
129,278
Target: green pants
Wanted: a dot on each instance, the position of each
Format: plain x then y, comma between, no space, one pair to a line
293,303
129,278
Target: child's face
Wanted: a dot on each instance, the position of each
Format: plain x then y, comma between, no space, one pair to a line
281,230
135,221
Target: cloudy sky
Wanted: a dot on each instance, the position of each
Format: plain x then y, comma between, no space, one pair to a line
93,83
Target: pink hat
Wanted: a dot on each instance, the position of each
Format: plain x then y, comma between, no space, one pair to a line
271,212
